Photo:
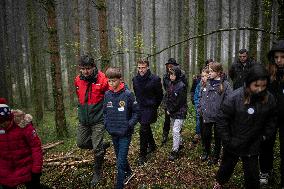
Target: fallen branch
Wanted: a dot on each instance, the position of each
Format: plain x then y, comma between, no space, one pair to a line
72,163
62,158
51,145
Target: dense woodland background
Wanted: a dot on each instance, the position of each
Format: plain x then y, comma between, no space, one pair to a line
42,40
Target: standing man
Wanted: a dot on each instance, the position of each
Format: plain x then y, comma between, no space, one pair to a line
240,68
166,80
91,86
149,94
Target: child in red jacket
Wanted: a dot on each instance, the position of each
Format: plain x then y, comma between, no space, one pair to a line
21,156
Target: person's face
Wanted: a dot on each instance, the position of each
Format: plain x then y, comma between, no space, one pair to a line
169,66
172,76
142,69
204,77
243,57
258,86
5,124
87,70
279,58
114,83
213,74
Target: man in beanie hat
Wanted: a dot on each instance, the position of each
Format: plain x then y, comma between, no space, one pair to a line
166,81
91,86
21,155
246,118
276,87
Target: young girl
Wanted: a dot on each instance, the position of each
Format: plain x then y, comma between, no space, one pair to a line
276,87
200,86
176,105
247,117
212,97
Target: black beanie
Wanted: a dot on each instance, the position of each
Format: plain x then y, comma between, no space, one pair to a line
172,61
256,72
277,46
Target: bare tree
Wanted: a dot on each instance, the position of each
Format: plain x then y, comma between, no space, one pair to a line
36,78
60,120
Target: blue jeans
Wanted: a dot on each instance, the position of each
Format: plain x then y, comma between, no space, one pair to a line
197,126
121,147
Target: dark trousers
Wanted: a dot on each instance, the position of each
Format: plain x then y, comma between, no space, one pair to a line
121,147
266,155
146,139
281,137
206,138
167,124
250,168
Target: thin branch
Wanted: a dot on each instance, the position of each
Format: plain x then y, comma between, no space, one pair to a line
210,33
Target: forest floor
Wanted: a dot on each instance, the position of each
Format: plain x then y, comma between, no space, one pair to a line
67,166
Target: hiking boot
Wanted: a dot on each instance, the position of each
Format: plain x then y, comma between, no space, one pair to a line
98,168
173,156
106,145
263,178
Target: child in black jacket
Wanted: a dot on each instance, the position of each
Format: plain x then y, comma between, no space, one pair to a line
246,118
120,117
176,105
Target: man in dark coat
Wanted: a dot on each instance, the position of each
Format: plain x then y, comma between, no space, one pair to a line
240,68
149,94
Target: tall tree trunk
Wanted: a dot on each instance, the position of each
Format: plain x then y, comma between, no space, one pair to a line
17,16
281,19
60,120
70,55
138,33
102,17
154,45
219,34
36,78
265,47
186,35
7,61
200,30
88,28
254,17
76,30
237,38
230,44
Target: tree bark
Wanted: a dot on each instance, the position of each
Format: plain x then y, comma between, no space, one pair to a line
53,44
34,59
265,45
281,19
254,17
200,30
102,17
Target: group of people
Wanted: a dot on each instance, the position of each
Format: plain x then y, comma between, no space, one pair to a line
244,119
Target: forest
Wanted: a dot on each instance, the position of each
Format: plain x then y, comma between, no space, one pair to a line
42,40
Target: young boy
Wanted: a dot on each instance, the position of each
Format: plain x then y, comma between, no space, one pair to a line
21,156
120,117
176,104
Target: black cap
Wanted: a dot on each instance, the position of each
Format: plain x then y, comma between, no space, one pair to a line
86,60
277,46
172,61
